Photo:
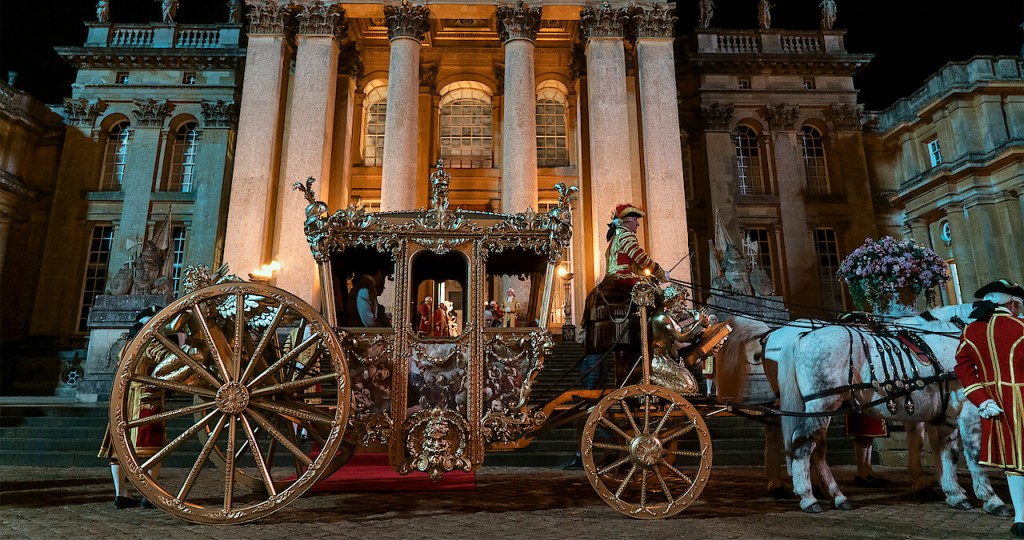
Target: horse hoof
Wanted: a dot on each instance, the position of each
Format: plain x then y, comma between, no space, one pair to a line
780,493
1002,511
813,509
962,505
845,505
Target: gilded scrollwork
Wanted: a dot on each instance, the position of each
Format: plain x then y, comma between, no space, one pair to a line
505,428
512,363
437,441
371,357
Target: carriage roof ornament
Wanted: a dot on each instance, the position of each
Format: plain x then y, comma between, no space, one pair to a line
439,182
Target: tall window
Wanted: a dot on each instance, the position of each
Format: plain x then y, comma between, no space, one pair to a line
466,126
375,106
177,255
182,175
827,250
748,162
115,156
813,148
934,153
95,281
552,148
759,238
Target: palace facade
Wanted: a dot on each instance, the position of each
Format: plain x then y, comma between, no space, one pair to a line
208,127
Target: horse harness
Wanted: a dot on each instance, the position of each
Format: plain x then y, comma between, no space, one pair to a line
896,374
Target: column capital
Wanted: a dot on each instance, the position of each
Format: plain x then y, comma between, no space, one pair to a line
321,19
518,21
717,117
844,117
602,21
655,21
82,112
780,117
219,114
151,113
269,16
407,20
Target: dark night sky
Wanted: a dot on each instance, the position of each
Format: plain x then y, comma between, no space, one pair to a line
910,39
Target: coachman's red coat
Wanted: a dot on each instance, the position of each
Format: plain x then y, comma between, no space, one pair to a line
990,364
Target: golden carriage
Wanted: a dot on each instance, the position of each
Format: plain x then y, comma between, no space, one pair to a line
224,415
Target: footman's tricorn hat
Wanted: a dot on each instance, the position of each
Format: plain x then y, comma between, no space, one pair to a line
628,209
1001,286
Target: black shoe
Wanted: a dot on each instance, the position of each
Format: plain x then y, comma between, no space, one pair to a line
1017,530
574,464
144,503
125,502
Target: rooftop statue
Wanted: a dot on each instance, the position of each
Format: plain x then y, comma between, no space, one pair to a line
168,10
103,11
828,14
707,10
235,11
764,14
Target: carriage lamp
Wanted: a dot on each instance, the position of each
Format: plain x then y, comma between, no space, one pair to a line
264,273
647,271
568,329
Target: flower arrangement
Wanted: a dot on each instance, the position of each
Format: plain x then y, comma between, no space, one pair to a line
877,270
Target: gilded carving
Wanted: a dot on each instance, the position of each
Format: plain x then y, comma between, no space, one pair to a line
407,20
518,21
780,118
82,112
151,113
318,18
843,117
437,441
717,117
602,21
370,357
219,113
505,428
655,22
512,362
269,16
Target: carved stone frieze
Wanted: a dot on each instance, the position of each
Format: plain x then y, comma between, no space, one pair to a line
82,112
407,20
219,113
717,117
843,117
269,16
780,117
151,113
518,21
655,21
602,21
319,18
437,441
350,61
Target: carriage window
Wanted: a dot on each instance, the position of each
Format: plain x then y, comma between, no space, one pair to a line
515,285
363,287
440,285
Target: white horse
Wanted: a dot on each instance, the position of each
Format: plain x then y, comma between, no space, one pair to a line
754,342
830,357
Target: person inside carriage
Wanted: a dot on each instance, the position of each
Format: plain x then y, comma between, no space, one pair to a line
361,307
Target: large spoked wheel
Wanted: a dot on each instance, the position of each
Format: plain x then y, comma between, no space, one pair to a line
208,394
646,451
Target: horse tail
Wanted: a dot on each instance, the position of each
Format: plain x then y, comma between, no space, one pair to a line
790,398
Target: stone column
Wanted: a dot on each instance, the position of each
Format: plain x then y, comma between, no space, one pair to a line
721,155
309,143
803,287
219,122
663,158
5,231
962,251
848,167
518,26
611,166
346,126
407,24
250,226
140,172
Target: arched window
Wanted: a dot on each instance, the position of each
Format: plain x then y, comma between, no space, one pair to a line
552,147
813,148
466,126
375,104
115,156
182,175
748,162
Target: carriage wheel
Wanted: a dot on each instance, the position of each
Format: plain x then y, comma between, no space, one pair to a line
202,383
646,451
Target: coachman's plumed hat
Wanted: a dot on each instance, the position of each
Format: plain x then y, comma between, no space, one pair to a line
628,209
1001,286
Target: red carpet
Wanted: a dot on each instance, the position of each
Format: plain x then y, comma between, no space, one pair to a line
371,472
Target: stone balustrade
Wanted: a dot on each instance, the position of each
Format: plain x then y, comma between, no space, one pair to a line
164,36
803,42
